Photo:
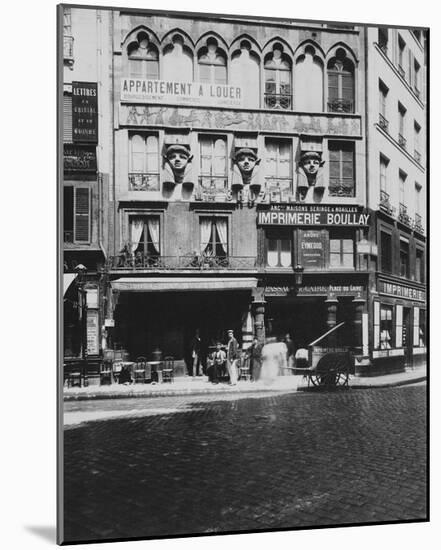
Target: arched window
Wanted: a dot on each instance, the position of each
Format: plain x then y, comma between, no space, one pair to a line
143,58
308,76
144,163
177,61
278,89
341,89
245,73
212,63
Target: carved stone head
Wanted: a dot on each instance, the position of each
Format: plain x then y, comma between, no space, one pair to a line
311,162
178,157
246,160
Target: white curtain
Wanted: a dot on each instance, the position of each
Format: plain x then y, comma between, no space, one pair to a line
221,225
137,225
153,225
205,233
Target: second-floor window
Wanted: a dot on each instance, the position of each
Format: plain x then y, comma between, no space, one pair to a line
383,91
386,252
383,173
143,162
341,169
419,266
278,166
404,258
341,249
278,92
213,163
144,236
278,248
212,64
143,58
214,236
341,84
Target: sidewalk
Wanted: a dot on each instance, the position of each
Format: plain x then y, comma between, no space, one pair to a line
200,385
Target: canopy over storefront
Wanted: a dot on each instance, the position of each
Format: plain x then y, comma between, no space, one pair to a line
68,279
180,284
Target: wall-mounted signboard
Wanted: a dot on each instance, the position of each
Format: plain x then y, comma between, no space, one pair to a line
309,215
312,246
79,158
84,112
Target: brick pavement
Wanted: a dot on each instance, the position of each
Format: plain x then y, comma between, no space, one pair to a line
228,464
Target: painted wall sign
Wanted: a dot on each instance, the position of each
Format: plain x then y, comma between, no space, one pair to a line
314,290
189,117
92,332
400,291
183,93
314,215
85,112
312,249
79,158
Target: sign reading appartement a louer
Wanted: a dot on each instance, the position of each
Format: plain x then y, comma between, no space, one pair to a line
181,93
305,215
85,112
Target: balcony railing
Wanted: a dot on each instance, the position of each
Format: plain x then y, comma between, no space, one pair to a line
341,105
401,71
213,188
418,225
403,216
342,187
385,204
383,122
196,262
278,101
68,48
402,141
417,156
139,181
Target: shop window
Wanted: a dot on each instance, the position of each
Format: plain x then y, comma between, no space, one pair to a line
278,167
278,249
214,236
386,327
143,162
212,63
278,88
341,249
419,327
386,252
404,258
145,237
341,169
213,163
341,89
419,266
143,58
76,210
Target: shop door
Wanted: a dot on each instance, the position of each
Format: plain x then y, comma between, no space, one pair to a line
407,336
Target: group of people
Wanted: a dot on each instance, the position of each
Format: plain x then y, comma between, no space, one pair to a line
265,361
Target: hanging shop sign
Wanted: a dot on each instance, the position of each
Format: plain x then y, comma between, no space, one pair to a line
85,112
400,291
349,216
92,333
314,290
79,158
182,93
312,246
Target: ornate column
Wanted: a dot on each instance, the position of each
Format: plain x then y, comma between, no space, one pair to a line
259,320
331,304
359,303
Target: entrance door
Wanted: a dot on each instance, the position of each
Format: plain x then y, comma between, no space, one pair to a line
407,336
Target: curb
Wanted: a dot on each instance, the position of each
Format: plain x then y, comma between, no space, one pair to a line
390,384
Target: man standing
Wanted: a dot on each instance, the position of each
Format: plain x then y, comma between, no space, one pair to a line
196,354
232,357
255,353
290,351
218,359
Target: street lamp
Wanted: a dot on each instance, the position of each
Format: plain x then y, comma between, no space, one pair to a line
298,274
81,281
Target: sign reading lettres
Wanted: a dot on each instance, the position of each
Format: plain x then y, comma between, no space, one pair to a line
85,112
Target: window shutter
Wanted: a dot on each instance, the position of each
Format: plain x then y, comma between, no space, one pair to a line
67,119
82,214
399,326
332,86
416,326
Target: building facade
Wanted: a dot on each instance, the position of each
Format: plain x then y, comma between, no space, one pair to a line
235,185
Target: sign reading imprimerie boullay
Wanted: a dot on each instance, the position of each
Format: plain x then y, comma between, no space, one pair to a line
350,216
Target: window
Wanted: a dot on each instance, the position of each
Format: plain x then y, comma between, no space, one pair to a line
383,38
384,162
419,266
386,327
341,169
144,237
177,62
383,91
402,176
278,249
76,209
278,93
212,63
278,166
401,48
213,163
143,162
308,76
214,236
417,34
419,327
386,252
245,72
404,258
417,145
341,249
401,125
143,58
67,35
418,199
340,83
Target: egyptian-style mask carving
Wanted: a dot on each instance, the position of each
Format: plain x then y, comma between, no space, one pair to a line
311,162
246,160
178,157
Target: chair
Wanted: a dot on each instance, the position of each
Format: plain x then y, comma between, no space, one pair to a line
139,369
244,368
168,369
74,374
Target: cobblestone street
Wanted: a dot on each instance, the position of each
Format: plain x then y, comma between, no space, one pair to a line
205,464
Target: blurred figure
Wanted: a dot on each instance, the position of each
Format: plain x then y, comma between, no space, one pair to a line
255,355
232,357
289,351
273,360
